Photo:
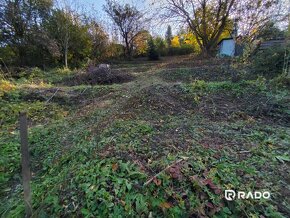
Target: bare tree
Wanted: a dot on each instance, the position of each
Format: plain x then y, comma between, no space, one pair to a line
128,20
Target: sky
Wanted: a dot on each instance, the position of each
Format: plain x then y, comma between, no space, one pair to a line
97,5
95,9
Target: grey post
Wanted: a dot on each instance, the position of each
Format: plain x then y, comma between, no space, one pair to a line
26,175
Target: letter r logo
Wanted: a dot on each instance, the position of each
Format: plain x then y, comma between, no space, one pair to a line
230,195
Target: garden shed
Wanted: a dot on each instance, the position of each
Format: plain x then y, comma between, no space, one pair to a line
229,47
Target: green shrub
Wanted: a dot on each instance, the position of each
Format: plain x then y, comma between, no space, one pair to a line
32,73
260,83
182,50
281,81
269,62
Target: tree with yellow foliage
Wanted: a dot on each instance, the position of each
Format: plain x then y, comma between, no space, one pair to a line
175,42
141,43
208,19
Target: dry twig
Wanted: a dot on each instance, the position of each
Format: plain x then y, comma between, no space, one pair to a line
168,167
52,96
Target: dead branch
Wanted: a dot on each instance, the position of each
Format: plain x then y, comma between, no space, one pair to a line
52,96
169,166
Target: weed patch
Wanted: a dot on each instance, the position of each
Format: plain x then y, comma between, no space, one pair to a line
155,149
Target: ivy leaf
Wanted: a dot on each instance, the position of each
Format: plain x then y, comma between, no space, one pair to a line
85,212
128,185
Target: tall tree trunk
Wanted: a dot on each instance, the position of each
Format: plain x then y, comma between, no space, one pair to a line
66,50
207,50
65,58
127,50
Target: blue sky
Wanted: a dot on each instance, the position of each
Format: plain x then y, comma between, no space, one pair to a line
98,4
96,8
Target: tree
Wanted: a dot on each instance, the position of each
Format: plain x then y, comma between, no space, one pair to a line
38,33
60,27
254,16
128,20
160,45
152,50
73,35
208,19
22,29
168,36
175,42
270,31
99,38
140,43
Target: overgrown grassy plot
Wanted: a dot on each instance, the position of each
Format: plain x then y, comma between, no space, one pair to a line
44,104
96,160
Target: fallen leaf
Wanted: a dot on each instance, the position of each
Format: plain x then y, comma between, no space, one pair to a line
175,172
165,205
212,186
114,166
210,205
157,181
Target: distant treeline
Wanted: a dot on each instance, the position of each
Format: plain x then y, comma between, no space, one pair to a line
41,33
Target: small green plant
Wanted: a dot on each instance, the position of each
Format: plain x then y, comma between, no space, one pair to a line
261,83
199,85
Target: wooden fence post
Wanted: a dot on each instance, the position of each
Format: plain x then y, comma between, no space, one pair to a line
26,175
